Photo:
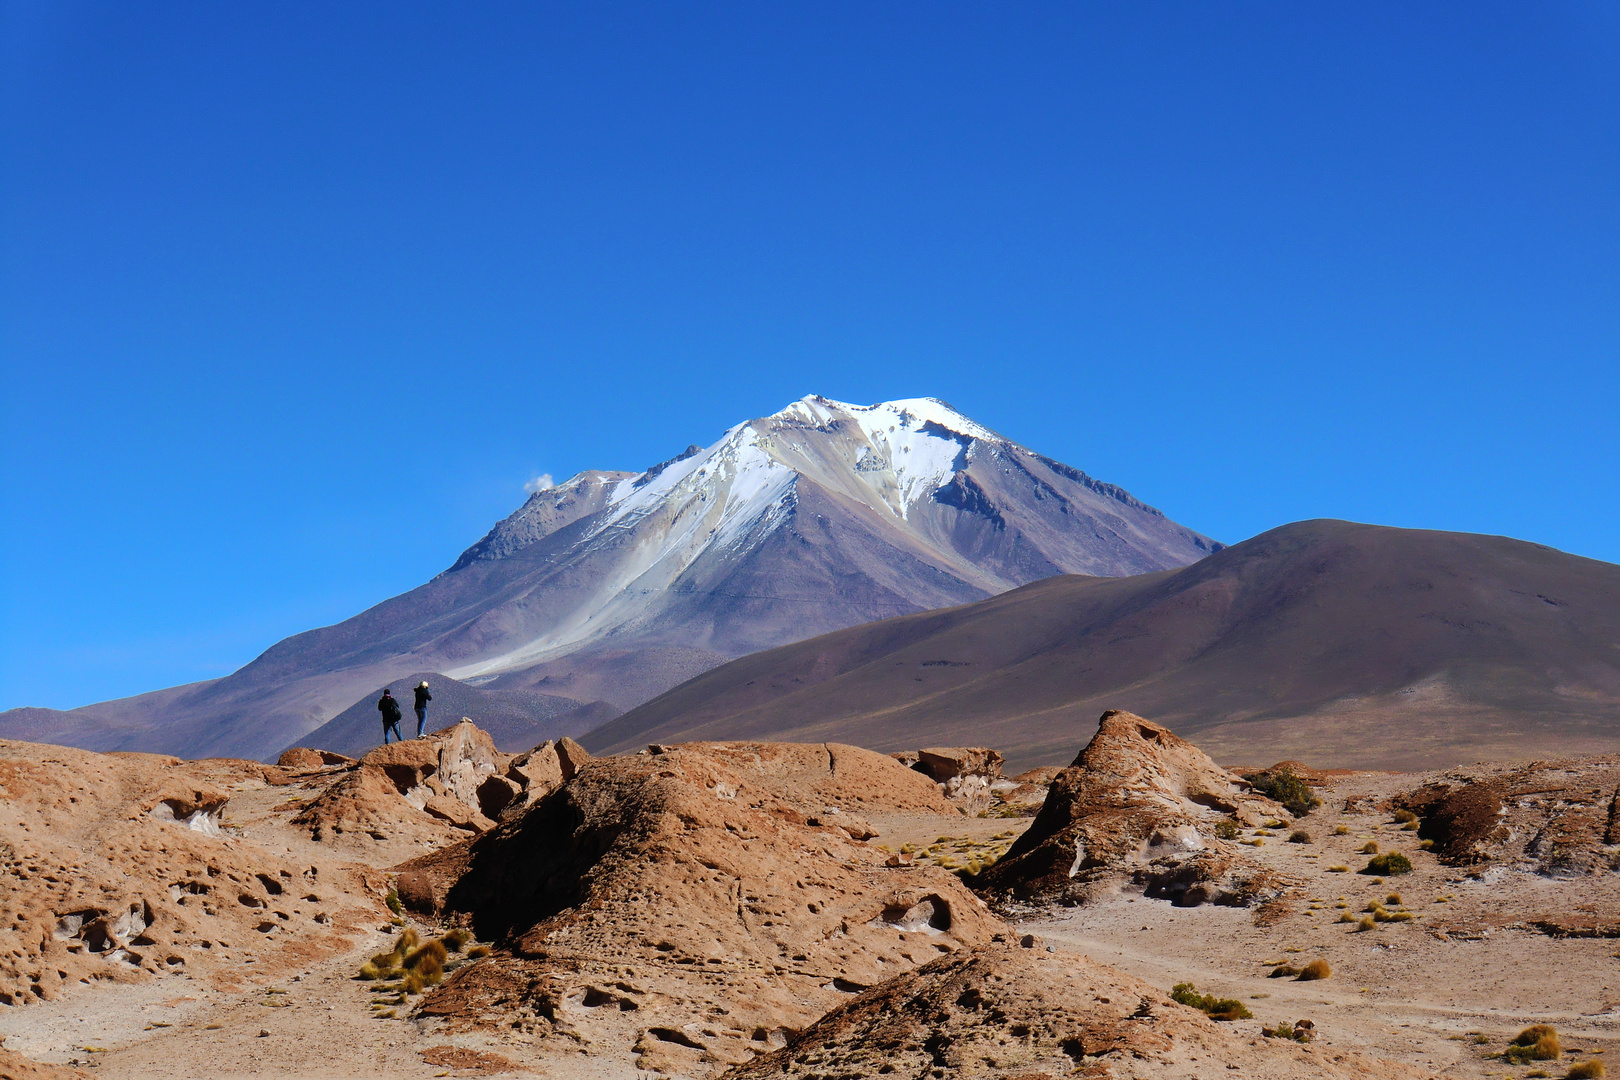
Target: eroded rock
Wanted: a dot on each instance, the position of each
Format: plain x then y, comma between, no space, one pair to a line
682,903
1138,805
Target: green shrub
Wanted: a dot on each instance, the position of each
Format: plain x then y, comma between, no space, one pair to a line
1391,864
1213,1007
1228,829
393,902
1288,789
1285,1030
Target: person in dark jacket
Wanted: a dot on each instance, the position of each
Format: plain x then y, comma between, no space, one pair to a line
390,714
422,698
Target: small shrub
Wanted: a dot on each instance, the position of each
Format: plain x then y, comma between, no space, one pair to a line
1391,864
1586,1070
1369,848
1365,923
1347,917
455,939
393,902
1288,789
1426,845
1393,898
1410,826
1283,971
1299,836
1341,830
1213,1007
1285,1030
1404,816
429,956
1538,1042
1316,969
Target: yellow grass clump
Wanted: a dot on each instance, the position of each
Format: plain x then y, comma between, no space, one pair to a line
1586,1070
1316,969
1538,1042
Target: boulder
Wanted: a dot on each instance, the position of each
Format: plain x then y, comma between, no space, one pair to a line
965,774
1139,804
303,759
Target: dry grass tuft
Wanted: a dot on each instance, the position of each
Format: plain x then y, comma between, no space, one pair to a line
1405,816
1369,848
455,940
1316,969
1365,923
1393,898
1538,1042
1341,830
478,952
1586,1070
1213,1007
431,955
1299,836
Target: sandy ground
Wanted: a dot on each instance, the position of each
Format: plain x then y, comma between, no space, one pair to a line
1418,992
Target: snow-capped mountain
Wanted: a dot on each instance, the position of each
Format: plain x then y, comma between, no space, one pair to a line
617,586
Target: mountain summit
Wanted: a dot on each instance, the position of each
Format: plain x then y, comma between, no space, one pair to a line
616,586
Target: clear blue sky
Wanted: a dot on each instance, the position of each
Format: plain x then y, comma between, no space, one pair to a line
294,298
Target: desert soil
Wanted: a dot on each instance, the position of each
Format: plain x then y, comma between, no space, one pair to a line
1441,993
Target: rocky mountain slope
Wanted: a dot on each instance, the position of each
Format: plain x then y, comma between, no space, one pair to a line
616,586
1372,647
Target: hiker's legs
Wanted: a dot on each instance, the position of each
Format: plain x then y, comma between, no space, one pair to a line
421,719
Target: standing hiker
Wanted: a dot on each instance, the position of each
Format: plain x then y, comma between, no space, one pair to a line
390,714
422,698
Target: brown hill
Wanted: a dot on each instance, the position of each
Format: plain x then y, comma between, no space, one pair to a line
1323,640
691,907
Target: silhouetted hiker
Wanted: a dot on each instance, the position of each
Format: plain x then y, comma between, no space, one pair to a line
390,710
422,698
